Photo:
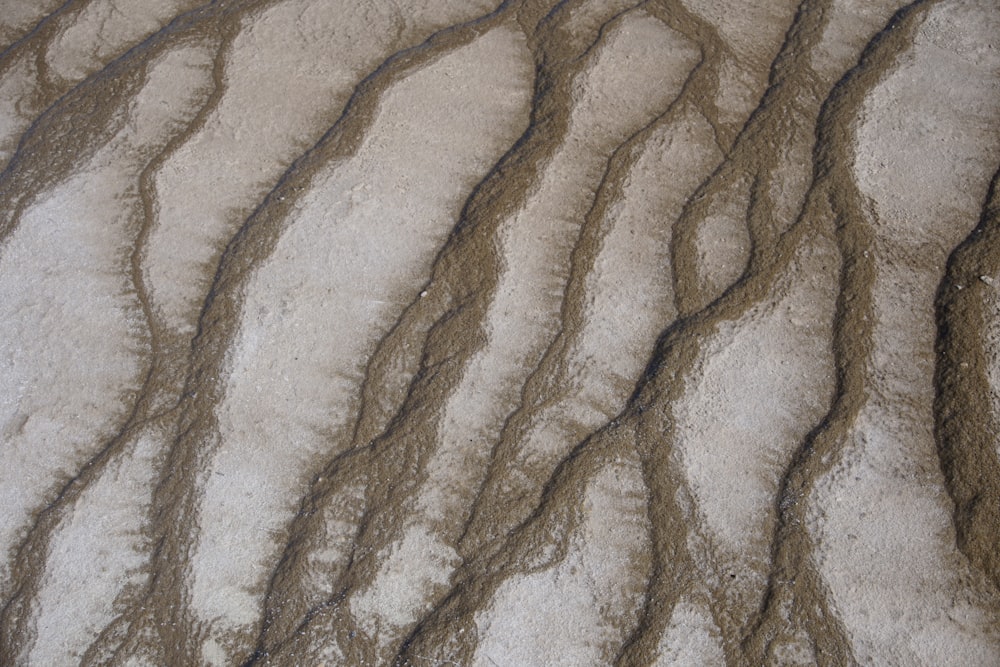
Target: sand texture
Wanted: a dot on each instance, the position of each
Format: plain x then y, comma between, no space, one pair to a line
460,332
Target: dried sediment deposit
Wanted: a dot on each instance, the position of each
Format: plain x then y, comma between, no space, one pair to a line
481,333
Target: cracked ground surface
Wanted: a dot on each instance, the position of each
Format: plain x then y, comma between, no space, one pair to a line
459,332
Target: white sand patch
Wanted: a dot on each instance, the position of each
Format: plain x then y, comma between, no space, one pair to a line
629,296
536,246
756,45
579,611
87,42
536,242
95,553
850,26
889,558
15,85
103,29
409,568
72,339
353,244
176,84
740,90
339,533
137,661
630,289
723,241
761,384
958,126
289,74
587,17
357,248
691,638
991,346
882,517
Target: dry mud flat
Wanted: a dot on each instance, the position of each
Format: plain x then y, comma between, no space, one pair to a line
464,333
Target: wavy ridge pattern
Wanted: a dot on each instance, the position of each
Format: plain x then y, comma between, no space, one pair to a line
533,332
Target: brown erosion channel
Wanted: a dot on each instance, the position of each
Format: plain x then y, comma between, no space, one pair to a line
482,333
